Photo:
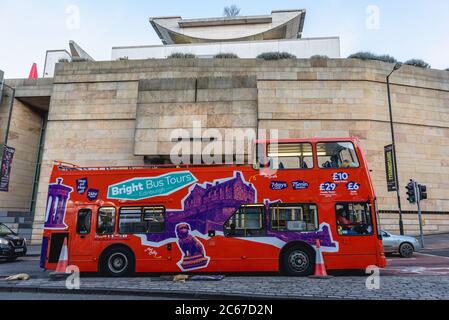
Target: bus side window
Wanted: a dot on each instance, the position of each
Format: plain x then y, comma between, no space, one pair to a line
83,223
154,217
337,155
248,221
106,221
141,220
294,217
354,219
284,156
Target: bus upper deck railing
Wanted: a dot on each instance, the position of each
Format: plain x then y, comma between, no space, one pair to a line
65,166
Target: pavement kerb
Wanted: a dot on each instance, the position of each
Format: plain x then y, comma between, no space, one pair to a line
150,293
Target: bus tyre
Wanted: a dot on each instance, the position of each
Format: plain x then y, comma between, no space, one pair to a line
406,250
117,262
297,261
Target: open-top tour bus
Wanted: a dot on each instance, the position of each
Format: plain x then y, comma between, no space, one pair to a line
218,218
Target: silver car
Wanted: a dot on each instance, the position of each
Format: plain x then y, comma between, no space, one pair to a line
403,245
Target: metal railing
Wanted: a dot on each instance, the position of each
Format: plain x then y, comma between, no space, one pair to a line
65,166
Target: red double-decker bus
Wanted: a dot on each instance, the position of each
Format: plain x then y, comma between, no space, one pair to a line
219,218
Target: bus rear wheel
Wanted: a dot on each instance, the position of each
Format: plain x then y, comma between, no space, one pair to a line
117,262
297,261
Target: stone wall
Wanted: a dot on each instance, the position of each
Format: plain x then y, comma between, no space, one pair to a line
24,136
432,223
218,103
359,108
107,113
89,124
4,113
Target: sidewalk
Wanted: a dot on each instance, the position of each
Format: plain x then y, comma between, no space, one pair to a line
436,241
33,250
338,288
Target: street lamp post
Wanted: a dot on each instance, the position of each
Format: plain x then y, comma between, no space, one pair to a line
397,66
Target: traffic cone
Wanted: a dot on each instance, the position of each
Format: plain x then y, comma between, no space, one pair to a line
320,268
33,72
63,263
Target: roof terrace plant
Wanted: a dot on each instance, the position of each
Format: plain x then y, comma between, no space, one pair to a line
226,55
232,11
317,56
276,56
418,63
180,55
373,56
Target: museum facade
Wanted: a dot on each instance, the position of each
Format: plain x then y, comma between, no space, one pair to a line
123,113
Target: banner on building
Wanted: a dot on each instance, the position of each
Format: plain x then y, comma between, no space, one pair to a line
389,168
1,86
5,172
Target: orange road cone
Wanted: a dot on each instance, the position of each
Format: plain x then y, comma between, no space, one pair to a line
320,268
63,263
33,72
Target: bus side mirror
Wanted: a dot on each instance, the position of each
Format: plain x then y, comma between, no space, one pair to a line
212,233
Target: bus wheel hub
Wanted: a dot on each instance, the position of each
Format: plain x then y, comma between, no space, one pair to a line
117,262
299,261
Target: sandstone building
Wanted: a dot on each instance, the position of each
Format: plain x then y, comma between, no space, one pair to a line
122,113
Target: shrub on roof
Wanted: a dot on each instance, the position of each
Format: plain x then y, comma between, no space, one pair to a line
226,56
418,63
317,56
276,56
372,56
78,59
180,55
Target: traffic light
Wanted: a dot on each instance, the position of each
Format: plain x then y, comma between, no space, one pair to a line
422,192
411,195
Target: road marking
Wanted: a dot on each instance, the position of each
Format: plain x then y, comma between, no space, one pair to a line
400,259
28,259
421,270
432,255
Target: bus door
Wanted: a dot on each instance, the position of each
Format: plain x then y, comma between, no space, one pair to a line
356,234
83,237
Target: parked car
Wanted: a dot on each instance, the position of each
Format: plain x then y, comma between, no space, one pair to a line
403,245
12,245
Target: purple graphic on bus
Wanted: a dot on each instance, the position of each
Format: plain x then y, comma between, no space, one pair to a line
208,206
193,253
58,196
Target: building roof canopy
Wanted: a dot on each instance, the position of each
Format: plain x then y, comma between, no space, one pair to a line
284,24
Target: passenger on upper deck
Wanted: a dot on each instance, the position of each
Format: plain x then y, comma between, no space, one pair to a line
333,163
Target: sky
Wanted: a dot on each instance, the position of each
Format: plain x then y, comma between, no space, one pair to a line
404,29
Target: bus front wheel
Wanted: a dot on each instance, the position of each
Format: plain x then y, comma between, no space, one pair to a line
297,261
117,262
